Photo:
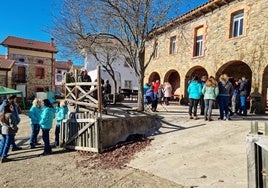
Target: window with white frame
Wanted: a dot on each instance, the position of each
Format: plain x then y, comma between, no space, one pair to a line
198,45
172,49
237,22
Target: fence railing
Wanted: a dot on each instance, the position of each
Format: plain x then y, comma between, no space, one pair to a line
257,155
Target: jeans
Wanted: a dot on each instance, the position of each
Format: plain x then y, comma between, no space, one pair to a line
223,106
208,107
5,144
243,107
57,135
35,131
45,136
193,104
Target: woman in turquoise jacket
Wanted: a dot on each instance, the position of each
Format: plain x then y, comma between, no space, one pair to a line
61,113
47,116
195,91
35,116
210,92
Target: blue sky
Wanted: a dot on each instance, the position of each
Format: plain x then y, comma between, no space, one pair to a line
29,19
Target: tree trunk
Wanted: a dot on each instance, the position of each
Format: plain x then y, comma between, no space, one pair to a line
140,95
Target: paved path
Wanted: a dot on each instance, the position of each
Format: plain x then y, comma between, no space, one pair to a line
198,153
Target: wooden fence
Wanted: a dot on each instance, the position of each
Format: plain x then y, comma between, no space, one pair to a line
80,131
257,155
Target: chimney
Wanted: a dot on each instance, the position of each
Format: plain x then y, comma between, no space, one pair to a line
52,42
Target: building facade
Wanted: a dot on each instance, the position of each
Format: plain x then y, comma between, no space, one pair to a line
6,67
61,68
220,36
33,69
108,53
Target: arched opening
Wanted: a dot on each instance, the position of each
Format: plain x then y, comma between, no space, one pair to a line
153,77
173,78
194,71
235,69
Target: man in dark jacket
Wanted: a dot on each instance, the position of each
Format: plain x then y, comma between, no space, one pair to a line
244,90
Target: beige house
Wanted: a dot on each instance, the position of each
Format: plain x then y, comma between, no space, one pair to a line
33,69
220,36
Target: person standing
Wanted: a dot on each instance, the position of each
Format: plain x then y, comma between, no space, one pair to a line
47,116
9,129
195,91
167,92
244,90
225,91
16,110
202,102
210,91
61,113
151,98
35,116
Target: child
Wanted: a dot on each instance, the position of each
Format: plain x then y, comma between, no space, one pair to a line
61,111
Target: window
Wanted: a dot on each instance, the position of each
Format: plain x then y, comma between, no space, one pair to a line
128,84
172,49
39,72
21,60
40,61
155,53
237,24
198,44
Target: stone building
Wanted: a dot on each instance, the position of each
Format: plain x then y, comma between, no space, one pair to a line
33,69
6,67
220,36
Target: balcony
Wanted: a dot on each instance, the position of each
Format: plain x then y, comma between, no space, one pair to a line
19,78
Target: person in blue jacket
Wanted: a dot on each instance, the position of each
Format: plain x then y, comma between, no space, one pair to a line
35,116
195,91
47,116
61,113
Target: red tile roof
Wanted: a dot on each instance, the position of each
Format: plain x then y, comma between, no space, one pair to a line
16,42
63,65
5,64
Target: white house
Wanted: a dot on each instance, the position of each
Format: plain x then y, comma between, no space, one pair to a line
109,52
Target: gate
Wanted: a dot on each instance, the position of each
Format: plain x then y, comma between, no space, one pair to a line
81,132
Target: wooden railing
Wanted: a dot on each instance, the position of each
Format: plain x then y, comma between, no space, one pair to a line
257,155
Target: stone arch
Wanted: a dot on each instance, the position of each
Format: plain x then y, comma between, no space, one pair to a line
235,69
194,71
173,77
153,77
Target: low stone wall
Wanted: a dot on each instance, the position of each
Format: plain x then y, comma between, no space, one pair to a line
115,130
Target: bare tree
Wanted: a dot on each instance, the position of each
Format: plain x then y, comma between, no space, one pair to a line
127,21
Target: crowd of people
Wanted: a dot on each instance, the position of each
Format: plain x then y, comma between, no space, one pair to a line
156,93
230,95
41,116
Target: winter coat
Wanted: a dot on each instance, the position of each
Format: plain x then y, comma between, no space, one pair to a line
61,113
210,92
35,115
225,88
47,116
167,91
9,126
194,90
244,88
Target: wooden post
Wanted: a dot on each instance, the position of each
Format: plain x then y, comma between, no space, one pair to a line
99,91
76,93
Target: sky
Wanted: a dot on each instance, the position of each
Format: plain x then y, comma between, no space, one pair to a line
29,19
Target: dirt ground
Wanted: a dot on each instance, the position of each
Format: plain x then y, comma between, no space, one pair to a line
71,169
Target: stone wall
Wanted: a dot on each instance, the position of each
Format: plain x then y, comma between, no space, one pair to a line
219,50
